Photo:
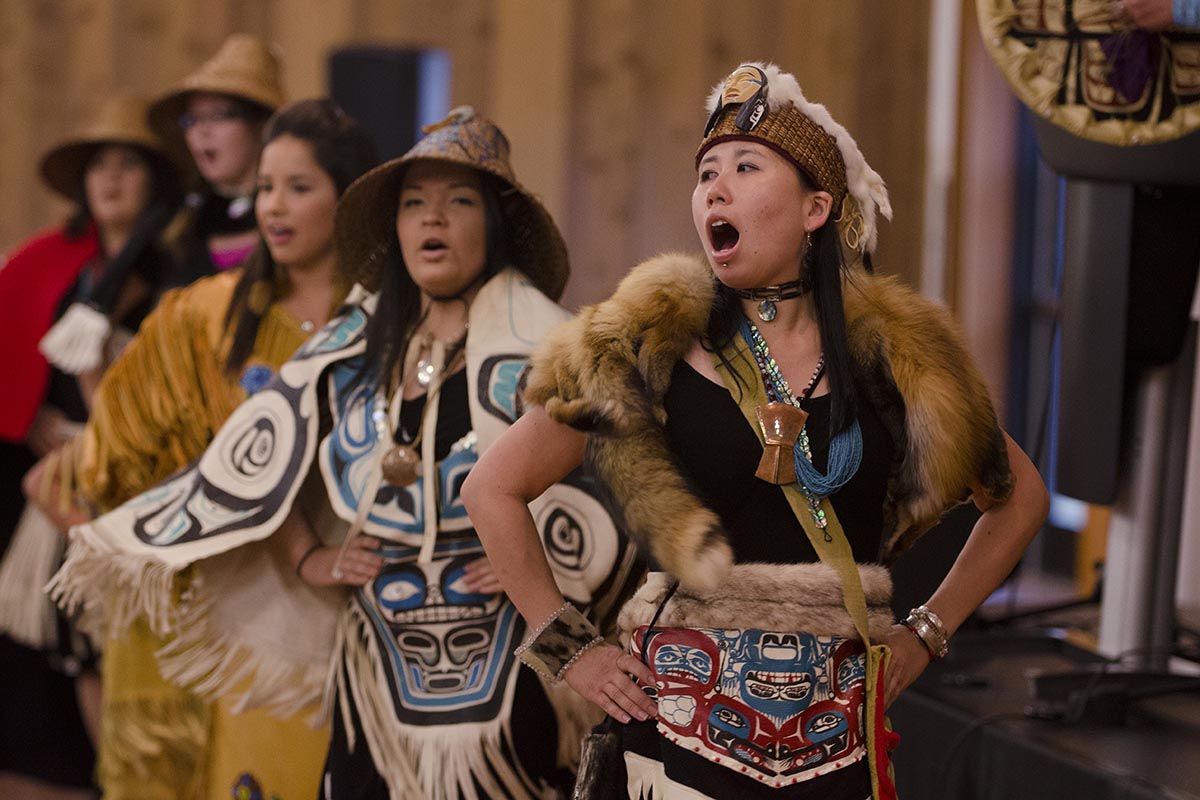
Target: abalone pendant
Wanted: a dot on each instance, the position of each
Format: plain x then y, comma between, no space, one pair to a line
424,371
401,465
766,310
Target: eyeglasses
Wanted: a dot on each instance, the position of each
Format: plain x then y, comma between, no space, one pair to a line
190,119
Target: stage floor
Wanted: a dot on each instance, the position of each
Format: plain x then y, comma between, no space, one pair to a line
969,731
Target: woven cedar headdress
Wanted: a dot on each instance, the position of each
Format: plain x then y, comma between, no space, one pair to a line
762,103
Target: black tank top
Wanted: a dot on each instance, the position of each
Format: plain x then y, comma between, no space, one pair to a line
454,416
718,453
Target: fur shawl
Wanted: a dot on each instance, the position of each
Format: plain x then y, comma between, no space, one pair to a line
606,372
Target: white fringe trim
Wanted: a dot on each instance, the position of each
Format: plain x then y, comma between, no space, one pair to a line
27,615
648,778
251,631
216,665
111,589
434,762
76,342
231,631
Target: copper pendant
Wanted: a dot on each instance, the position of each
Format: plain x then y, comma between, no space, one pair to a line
781,424
401,465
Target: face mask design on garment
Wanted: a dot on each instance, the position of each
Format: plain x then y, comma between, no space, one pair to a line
449,649
775,705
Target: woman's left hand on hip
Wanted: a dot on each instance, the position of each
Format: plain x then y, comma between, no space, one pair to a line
909,659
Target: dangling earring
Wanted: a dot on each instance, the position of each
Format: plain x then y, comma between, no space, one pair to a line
806,261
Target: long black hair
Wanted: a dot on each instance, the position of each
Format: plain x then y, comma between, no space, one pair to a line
828,267
344,150
398,310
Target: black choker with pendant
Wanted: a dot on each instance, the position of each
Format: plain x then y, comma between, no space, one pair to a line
768,296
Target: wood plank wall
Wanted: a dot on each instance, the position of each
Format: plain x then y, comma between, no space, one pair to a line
602,98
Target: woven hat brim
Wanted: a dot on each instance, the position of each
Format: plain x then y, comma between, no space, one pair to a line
164,114
62,168
366,224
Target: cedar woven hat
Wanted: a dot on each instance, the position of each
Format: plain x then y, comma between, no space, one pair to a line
121,120
760,102
366,216
244,68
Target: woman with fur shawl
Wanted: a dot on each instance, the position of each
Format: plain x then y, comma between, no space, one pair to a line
776,424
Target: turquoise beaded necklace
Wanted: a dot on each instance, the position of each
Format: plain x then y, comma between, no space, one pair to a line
845,450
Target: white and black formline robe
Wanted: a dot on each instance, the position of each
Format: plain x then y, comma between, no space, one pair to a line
430,666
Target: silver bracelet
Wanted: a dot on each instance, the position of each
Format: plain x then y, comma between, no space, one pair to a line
929,629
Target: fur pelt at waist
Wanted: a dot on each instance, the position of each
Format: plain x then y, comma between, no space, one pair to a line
769,597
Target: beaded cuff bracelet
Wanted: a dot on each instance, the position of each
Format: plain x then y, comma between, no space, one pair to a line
554,646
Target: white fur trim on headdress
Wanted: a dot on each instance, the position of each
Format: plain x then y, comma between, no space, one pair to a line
862,182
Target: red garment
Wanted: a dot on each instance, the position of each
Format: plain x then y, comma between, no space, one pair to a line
32,284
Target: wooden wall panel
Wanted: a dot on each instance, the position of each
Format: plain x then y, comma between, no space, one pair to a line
627,91
980,285
606,133
40,100
306,59
531,99
677,72
461,27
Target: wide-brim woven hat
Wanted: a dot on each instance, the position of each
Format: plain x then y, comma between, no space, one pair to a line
1086,68
761,102
121,120
244,67
366,216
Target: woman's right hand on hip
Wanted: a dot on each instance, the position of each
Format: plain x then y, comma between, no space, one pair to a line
360,564
612,679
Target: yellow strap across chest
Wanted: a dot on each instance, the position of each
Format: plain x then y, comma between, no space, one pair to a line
741,378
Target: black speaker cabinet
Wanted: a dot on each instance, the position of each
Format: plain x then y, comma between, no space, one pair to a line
1130,248
391,91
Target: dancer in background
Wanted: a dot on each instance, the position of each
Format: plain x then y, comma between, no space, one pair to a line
216,115
776,424
198,356
348,469
73,295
